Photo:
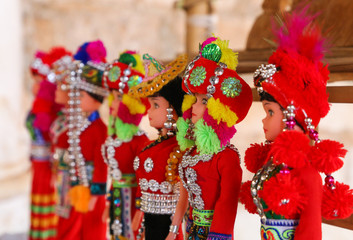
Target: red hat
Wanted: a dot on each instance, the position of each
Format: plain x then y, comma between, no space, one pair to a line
213,73
127,70
59,60
295,74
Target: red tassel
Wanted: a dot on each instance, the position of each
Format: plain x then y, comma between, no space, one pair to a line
291,148
337,202
284,195
246,198
326,156
256,156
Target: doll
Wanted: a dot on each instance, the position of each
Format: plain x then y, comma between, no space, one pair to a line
210,169
286,190
86,132
156,165
42,114
124,142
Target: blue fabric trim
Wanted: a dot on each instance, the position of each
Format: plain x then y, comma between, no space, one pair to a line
188,225
94,116
98,188
219,236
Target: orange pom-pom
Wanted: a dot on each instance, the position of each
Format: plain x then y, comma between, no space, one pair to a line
79,198
326,156
246,198
284,195
291,148
337,202
256,156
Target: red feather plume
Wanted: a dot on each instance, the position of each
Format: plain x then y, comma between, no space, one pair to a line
256,156
326,156
291,148
246,198
338,202
284,195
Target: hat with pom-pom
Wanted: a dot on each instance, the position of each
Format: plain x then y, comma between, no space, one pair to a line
125,72
60,60
295,74
213,73
92,57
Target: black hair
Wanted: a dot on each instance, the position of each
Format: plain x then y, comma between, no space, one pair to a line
174,94
99,98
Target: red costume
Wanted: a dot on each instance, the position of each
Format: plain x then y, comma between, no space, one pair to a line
210,169
43,113
88,172
156,166
286,190
124,143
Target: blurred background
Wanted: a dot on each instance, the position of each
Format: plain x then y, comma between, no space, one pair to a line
162,28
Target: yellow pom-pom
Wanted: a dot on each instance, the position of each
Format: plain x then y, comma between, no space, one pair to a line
228,56
188,101
221,112
110,99
139,64
134,105
79,198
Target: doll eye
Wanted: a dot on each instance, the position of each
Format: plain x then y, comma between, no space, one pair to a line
204,101
156,105
270,112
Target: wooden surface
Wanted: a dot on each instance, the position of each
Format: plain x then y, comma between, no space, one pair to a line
343,223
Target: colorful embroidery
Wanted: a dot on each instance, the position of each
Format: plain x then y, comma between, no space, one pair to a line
197,76
114,74
134,81
231,87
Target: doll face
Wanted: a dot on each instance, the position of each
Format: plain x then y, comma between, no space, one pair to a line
114,107
88,104
61,94
157,113
199,107
272,123
37,79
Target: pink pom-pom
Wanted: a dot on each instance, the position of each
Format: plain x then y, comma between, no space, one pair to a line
291,148
284,195
246,198
326,156
256,156
96,51
337,202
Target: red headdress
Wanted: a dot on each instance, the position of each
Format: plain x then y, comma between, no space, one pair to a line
40,64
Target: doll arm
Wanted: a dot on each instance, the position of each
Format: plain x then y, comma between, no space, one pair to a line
309,226
99,178
179,211
225,211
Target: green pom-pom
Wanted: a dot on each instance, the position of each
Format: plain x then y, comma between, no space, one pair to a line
125,131
207,141
212,52
127,59
111,129
182,127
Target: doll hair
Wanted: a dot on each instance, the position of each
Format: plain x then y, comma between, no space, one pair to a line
99,98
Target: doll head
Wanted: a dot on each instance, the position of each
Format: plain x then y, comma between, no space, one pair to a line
162,86
92,88
295,76
217,99
125,72
39,70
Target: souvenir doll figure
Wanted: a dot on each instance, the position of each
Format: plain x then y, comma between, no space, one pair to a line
125,141
87,132
156,165
286,190
210,169
58,133
42,114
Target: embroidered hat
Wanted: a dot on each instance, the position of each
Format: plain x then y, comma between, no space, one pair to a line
295,74
213,73
125,72
162,80
60,60
92,57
